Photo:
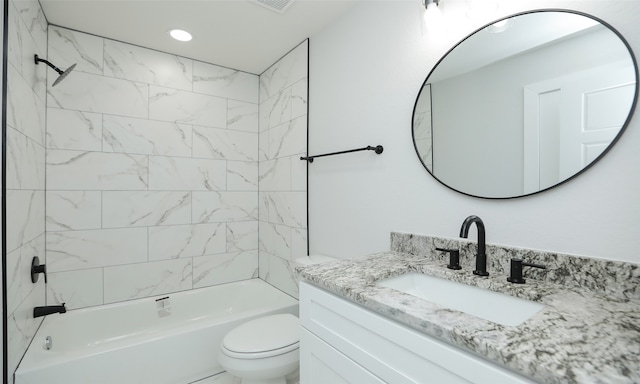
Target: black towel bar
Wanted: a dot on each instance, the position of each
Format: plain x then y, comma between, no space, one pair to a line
378,149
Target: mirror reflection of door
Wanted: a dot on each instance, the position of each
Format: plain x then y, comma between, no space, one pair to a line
569,121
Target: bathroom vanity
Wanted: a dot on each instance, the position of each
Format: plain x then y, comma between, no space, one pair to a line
343,342
356,330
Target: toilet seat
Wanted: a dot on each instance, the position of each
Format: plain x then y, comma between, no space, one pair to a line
264,337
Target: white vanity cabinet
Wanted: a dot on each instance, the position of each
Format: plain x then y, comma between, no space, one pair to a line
342,342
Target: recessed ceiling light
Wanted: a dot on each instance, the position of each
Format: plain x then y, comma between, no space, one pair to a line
180,35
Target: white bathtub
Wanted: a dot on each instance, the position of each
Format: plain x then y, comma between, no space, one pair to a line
147,341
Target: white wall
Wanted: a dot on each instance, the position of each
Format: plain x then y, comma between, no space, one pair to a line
365,73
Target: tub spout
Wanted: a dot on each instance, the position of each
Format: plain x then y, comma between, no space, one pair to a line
49,309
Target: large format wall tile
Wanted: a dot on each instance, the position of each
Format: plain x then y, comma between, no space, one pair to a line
225,82
143,65
19,284
179,174
175,241
213,143
93,93
287,139
225,268
25,216
211,207
275,175
22,326
34,19
14,279
299,96
298,174
73,210
21,48
242,176
276,240
75,130
25,162
242,236
129,135
275,110
168,104
77,289
282,175
152,172
134,209
282,275
73,170
25,111
25,174
135,281
299,242
242,116
287,71
73,250
67,47
288,208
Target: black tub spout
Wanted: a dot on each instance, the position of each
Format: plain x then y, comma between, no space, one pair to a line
49,309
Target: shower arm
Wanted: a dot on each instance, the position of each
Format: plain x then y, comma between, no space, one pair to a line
37,60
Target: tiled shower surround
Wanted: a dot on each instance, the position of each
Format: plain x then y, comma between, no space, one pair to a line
25,173
283,176
144,173
153,171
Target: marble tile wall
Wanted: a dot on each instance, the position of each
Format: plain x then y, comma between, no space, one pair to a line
25,173
422,134
152,173
282,175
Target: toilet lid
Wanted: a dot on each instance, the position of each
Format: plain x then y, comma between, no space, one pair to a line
270,333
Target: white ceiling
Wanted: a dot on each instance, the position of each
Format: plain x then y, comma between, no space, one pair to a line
238,34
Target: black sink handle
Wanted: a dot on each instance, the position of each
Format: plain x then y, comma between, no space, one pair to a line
454,258
516,270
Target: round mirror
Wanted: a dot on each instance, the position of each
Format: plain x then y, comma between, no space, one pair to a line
524,104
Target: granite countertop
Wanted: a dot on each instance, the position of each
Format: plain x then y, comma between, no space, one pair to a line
580,336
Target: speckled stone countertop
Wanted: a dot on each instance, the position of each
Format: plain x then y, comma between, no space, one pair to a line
580,336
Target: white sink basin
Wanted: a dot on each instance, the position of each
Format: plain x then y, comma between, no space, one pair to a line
493,306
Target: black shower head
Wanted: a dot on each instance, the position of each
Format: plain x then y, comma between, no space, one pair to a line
62,73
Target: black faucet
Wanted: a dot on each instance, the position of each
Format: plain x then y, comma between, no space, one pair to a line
481,257
49,309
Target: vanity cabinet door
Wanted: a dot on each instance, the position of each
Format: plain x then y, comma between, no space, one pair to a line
321,364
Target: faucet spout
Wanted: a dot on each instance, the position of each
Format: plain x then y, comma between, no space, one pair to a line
48,310
481,257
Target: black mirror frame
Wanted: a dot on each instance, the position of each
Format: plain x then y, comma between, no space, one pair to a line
597,159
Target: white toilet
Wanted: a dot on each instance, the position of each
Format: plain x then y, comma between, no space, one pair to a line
265,350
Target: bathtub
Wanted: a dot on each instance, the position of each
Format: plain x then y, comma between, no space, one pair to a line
167,339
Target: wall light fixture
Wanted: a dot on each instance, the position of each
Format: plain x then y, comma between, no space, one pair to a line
433,19
432,9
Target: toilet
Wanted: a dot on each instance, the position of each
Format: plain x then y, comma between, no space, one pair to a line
266,350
